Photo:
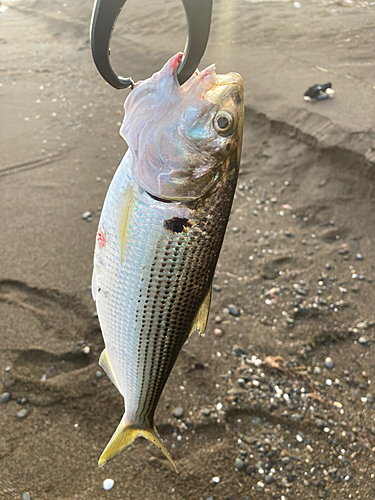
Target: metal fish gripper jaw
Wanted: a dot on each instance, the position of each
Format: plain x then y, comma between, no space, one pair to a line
104,16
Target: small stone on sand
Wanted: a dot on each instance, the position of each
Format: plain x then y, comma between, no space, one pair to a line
86,216
178,412
233,310
4,398
108,484
22,413
329,363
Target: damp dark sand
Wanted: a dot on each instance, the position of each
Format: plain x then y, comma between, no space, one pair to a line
261,411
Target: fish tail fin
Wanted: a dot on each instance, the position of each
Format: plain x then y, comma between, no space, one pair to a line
125,435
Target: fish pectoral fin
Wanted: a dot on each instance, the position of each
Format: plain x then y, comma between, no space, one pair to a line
126,210
201,318
106,364
125,435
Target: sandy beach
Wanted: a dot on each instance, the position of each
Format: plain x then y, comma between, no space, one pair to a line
278,398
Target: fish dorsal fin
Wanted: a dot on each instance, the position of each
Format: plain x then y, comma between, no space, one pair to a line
126,210
106,364
201,318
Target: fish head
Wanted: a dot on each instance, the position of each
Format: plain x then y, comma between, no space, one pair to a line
183,139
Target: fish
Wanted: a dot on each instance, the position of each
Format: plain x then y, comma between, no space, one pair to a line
160,233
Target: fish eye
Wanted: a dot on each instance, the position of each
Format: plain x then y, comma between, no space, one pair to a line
223,122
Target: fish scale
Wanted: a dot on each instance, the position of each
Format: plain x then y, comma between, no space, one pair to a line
155,257
178,276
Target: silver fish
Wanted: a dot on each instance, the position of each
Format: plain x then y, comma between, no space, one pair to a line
160,233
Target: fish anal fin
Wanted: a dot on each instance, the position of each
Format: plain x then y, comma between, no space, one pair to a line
125,435
200,320
126,210
105,363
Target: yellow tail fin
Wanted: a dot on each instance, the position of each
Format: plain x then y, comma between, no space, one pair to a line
124,436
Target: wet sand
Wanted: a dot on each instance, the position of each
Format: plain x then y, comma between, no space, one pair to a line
297,260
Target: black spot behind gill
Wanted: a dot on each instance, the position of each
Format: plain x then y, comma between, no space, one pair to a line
176,224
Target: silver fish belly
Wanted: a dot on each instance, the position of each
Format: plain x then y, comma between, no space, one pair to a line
158,243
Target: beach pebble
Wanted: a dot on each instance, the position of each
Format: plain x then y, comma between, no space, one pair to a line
178,412
241,382
239,463
370,398
233,310
26,496
215,480
362,340
328,362
4,398
359,256
218,332
98,374
108,484
259,486
250,440
320,423
216,288
22,413
86,216
362,325
250,469
268,479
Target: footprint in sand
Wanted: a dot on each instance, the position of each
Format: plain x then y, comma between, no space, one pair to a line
44,332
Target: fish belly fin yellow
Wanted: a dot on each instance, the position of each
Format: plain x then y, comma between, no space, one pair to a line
201,318
126,210
105,363
125,435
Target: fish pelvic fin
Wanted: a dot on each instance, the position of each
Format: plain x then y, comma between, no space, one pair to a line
106,364
125,435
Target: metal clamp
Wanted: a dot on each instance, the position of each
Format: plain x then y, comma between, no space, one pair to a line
104,16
